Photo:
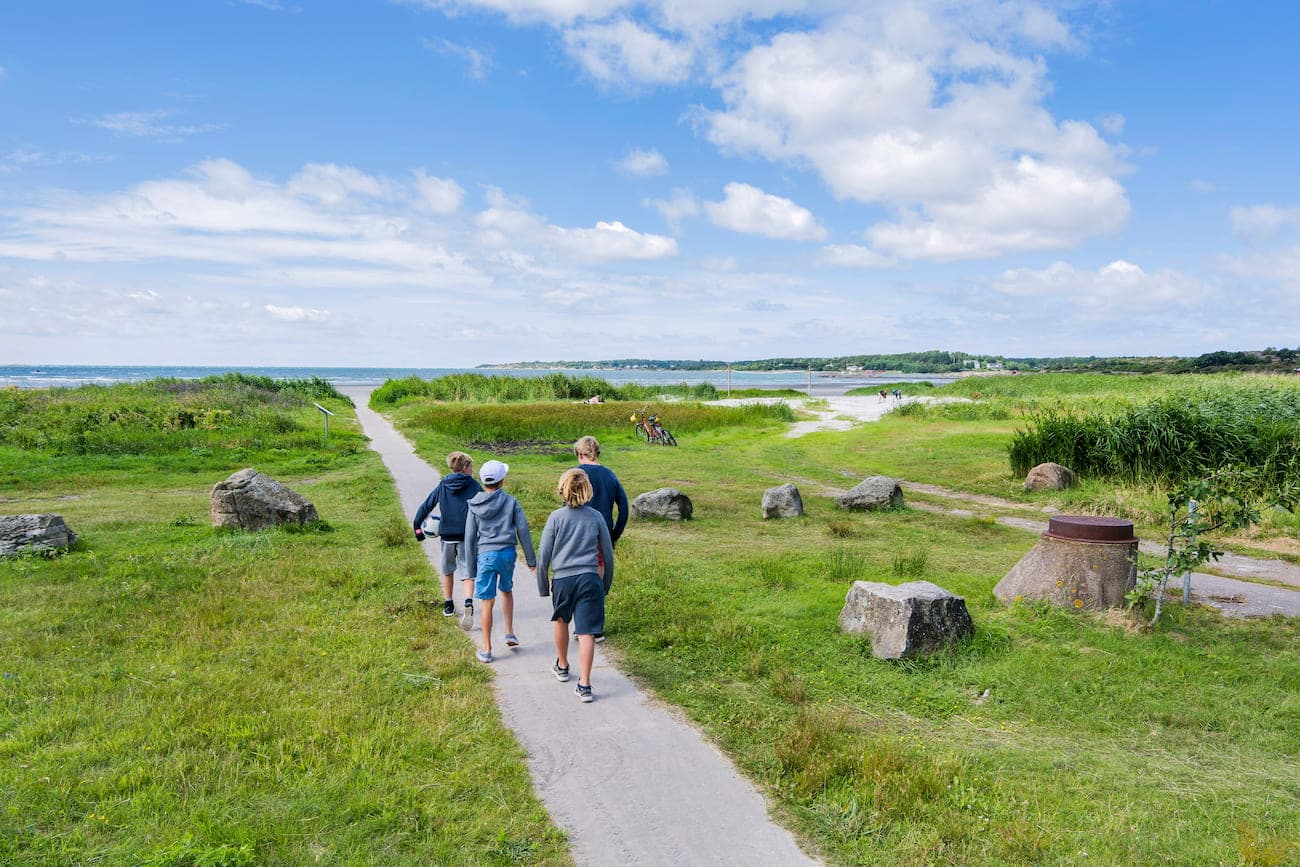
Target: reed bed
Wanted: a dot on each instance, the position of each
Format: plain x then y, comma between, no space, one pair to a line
1178,436
481,388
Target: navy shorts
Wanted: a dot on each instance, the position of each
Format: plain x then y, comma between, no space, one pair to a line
580,600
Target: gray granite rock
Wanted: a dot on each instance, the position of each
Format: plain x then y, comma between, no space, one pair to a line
253,501
877,492
20,533
782,501
1049,477
667,503
912,619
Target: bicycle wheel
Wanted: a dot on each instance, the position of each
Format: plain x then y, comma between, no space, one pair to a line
641,433
669,439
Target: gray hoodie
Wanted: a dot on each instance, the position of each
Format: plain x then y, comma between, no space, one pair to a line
495,520
570,543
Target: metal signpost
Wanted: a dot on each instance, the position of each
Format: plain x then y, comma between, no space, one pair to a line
325,414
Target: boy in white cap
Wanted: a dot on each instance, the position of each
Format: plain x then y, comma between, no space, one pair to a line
495,522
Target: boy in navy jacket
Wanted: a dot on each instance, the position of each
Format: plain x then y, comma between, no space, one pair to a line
451,497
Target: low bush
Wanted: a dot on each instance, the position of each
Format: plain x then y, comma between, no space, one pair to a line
483,388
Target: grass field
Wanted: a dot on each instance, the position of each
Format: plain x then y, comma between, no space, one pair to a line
177,695
1052,737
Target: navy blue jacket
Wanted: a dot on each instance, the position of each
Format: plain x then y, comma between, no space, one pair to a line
607,492
452,499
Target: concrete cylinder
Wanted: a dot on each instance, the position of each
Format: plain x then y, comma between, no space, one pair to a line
1082,562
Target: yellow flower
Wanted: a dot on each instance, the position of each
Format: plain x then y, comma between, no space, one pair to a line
1078,603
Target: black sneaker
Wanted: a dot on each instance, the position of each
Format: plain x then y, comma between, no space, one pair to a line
561,672
584,694
448,608
599,637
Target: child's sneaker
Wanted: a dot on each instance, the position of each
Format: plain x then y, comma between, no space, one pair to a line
511,641
584,694
467,616
561,672
484,655
599,637
448,608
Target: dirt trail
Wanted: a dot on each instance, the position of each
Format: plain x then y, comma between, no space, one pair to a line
628,779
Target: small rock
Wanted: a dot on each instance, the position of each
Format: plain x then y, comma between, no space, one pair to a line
20,533
782,501
1049,477
251,500
875,493
667,503
912,619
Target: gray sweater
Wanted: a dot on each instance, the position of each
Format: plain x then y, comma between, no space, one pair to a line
570,543
495,520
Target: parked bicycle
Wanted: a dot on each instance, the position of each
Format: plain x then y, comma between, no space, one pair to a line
648,429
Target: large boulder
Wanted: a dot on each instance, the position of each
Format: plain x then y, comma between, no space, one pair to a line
664,503
782,501
875,493
912,619
1049,477
251,500
20,533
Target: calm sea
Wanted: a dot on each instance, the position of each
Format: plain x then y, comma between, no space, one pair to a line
52,376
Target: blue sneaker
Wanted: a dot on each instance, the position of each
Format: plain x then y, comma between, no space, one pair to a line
511,641
484,656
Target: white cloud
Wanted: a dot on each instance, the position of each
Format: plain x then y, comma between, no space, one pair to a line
679,206
1201,185
611,241
148,124
1112,123
1262,221
331,184
643,163
527,11
440,195
297,314
927,110
854,256
477,62
623,52
750,210
1120,284
507,223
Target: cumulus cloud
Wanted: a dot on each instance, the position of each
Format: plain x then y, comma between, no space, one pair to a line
476,62
1118,284
623,51
332,184
643,163
680,205
750,210
148,124
507,222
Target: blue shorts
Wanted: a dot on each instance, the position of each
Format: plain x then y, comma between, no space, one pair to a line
496,570
581,601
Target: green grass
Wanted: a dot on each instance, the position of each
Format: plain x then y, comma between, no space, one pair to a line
173,694
508,389
1097,742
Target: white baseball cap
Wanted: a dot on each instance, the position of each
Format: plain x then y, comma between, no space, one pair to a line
493,472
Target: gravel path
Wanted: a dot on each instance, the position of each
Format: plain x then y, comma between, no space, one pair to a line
841,412
626,777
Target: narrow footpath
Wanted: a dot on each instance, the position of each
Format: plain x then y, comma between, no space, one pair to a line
628,780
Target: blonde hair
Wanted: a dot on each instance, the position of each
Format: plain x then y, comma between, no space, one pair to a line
459,462
587,447
574,488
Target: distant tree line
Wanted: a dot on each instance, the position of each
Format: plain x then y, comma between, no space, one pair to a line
1269,360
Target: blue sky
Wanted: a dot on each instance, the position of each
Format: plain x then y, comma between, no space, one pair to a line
450,182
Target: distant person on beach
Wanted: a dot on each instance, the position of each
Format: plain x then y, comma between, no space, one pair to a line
898,395
882,395
495,522
577,547
607,491
451,497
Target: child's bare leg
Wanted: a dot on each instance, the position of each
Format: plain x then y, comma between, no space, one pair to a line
586,653
562,643
485,621
446,586
468,586
508,609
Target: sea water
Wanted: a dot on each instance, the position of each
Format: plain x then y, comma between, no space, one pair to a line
55,376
